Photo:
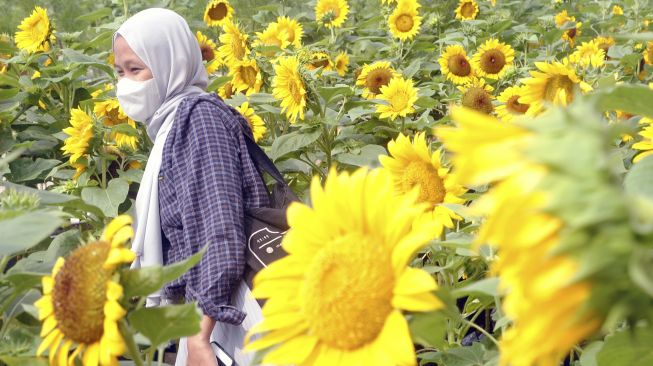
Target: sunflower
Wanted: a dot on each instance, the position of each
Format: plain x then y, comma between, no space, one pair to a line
648,53
646,145
336,299
412,165
477,95
80,134
554,83
80,303
272,36
404,22
112,114
588,54
563,17
400,96
373,77
226,91
455,65
617,10
217,13
342,63
493,59
511,106
35,32
571,34
292,28
234,44
246,76
288,86
331,13
255,121
319,59
604,43
209,52
467,10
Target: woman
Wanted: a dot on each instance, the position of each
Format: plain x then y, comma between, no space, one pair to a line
198,180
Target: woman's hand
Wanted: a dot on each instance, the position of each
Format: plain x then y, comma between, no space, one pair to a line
199,348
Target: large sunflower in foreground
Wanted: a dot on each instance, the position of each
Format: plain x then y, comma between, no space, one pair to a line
112,114
80,307
234,44
554,83
400,96
288,86
404,22
35,32
80,134
493,59
218,12
374,76
331,13
255,121
467,10
455,65
510,107
413,165
209,52
336,299
246,76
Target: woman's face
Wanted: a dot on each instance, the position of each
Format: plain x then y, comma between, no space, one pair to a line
127,63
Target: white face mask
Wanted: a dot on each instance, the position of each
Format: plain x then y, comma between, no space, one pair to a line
139,99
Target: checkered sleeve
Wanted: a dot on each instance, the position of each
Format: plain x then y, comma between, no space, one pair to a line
212,209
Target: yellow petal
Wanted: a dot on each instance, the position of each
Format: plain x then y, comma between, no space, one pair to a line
48,324
113,311
47,342
117,256
114,291
44,305
92,355
55,347
71,359
418,302
57,266
62,354
395,340
47,282
121,237
115,225
414,281
293,351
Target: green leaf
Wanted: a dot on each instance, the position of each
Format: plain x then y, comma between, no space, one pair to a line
634,99
639,269
95,15
131,175
146,280
23,281
45,197
486,286
292,142
631,347
24,361
588,357
329,93
24,231
25,169
125,129
108,199
161,324
62,245
368,156
428,329
639,180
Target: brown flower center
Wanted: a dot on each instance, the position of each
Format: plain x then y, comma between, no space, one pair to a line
515,107
431,186
80,291
248,73
493,61
459,65
295,91
207,52
377,78
404,23
556,84
218,12
467,10
571,33
228,90
478,99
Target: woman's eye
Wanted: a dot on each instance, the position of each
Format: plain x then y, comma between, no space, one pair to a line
135,70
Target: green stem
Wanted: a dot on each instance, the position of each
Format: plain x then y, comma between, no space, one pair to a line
128,335
483,331
125,8
3,263
104,172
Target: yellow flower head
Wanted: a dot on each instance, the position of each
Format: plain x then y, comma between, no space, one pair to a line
293,29
373,77
255,121
319,59
209,53
336,299
588,54
648,53
412,165
571,34
511,106
288,86
563,17
617,10
467,10
554,83
112,114
331,13
234,44
246,76
35,33
400,96
80,134
80,307
493,59
226,91
645,145
272,36
477,95
217,13
455,65
604,43
404,22
342,63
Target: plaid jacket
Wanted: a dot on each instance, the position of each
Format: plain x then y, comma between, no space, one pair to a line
206,181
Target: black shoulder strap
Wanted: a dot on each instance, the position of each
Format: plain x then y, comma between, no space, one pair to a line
261,159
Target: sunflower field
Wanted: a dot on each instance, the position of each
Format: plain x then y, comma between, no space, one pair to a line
475,179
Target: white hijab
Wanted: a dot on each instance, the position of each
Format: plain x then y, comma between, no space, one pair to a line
163,40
